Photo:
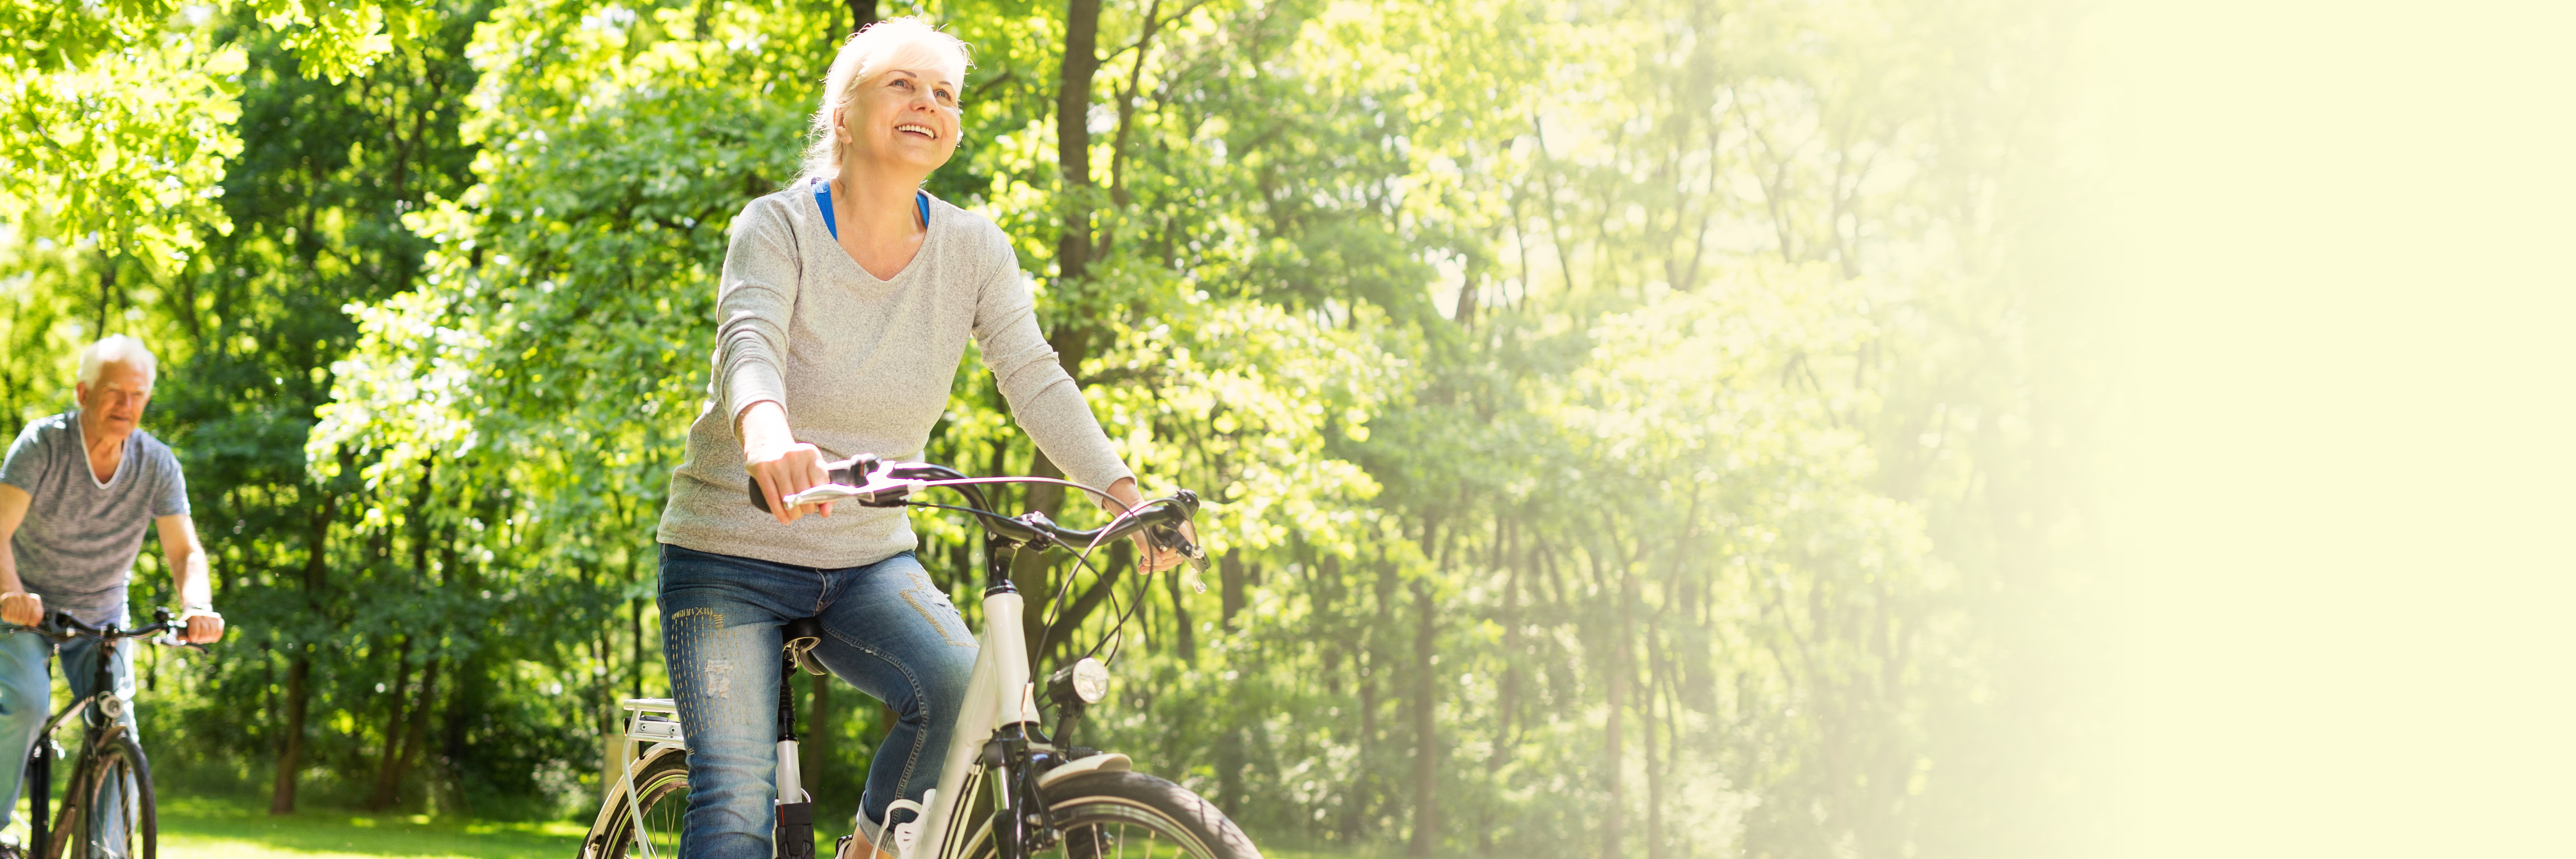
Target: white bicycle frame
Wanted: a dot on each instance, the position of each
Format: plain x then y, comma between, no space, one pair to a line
999,695
1001,662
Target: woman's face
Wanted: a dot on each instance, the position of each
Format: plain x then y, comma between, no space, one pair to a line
901,117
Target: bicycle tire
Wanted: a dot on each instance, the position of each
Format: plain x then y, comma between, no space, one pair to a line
664,784
113,775
1103,814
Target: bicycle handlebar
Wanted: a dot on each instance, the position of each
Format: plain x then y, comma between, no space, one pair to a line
63,627
879,483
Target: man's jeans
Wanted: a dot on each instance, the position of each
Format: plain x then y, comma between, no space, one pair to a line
886,630
26,695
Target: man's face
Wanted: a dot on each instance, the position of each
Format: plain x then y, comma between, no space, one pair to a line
116,400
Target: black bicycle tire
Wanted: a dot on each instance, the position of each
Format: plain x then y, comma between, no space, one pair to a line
83,791
668,771
1137,799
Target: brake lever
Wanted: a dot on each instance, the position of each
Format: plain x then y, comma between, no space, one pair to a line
1168,538
172,639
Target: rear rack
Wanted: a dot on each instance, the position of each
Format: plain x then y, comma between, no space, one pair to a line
656,720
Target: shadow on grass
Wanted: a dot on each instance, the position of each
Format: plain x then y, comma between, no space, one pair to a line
215,829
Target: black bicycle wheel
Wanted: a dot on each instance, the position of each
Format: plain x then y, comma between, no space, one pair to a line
1108,815
664,785
107,813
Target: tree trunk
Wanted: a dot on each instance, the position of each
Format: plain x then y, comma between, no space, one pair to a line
1426,733
635,622
1615,817
290,757
1507,699
816,752
463,703
1188,639
862,13
299,674
1229,571
416,736
389,765
1073,136
1229,753
1655,764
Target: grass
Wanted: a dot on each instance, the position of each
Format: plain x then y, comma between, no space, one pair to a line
201,828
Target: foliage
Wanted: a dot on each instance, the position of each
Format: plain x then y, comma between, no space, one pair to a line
1627,425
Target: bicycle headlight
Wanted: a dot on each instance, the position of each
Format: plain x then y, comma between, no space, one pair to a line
1090,680
1085,681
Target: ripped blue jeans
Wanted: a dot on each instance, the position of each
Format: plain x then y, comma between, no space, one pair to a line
887,630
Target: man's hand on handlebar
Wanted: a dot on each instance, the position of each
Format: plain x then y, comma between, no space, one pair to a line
781,465
204,626
22,608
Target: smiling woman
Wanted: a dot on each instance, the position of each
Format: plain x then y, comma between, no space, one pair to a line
845,301
923,58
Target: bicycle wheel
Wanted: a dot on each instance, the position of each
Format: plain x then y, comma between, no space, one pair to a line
1107,815
107,813
664,785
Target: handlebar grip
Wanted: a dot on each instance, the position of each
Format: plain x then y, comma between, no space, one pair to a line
848,472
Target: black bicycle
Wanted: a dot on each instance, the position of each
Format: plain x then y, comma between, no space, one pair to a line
107,808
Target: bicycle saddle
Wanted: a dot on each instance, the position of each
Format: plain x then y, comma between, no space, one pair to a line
800,638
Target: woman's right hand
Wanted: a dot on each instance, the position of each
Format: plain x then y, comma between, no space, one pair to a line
781,465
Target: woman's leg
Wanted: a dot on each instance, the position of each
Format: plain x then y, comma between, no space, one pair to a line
720,628
893,634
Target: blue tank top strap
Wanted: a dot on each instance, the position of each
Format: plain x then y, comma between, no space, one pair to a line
823,201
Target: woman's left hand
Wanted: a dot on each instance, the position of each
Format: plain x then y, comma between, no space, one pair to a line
1155,559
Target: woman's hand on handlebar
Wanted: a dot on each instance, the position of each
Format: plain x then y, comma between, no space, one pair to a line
781,465
1155,559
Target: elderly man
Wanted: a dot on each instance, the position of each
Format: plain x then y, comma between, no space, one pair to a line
75,494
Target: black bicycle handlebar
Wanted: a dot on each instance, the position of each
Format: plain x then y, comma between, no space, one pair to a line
62,627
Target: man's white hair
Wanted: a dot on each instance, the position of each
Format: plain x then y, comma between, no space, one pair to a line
894,43
121,349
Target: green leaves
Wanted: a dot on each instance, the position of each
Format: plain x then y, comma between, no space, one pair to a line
1523,352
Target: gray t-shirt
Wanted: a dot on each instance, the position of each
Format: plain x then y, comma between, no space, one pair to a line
863,366
77,545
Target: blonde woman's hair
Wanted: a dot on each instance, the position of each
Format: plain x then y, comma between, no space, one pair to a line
894,43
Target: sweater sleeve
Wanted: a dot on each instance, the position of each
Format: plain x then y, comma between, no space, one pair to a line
755,298
1045,401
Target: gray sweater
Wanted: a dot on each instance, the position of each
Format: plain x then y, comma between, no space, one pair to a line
862,366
